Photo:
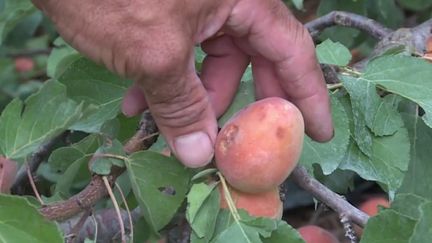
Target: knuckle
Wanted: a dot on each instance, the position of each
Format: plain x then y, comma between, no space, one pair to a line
156,59
179,107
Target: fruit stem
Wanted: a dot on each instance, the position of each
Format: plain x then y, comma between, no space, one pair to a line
228,198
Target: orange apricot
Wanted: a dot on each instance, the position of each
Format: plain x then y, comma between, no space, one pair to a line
266,204
315,234
260,145
370,207
23,64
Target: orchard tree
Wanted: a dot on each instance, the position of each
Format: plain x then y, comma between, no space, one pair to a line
74,169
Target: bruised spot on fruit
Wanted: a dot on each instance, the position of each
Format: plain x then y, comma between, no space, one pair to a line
229,137
280,133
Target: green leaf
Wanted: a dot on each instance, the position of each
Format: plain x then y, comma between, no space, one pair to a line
387,119
159,145
406,76
20,221
408,204
363,99
333,53
283,233
101,91
386,12
388,162
340,181
223,221
379,114
239,233
245,95
196,197
409,218
199,57
104,159
25,126
423,230
420,166
13,12
159,183
328,155
298,4
416,5
71,163
388,227
203,220
61,56
204,173
23,32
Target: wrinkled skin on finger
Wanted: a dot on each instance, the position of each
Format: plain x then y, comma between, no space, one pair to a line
152,42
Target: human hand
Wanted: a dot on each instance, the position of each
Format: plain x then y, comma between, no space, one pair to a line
152,42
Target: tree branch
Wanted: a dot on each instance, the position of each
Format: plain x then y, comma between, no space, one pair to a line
328,197
420,35
346,19
96,189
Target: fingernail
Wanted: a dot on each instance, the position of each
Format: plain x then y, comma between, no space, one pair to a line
194,150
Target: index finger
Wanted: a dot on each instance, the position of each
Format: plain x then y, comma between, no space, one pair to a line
276,35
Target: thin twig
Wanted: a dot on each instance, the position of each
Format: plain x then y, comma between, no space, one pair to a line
116,207
346,19
317,213
29,53
36,159
420,34
334,86
72,236
33,185
127,210
328,197
95,227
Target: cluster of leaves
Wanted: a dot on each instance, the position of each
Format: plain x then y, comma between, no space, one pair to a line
382,115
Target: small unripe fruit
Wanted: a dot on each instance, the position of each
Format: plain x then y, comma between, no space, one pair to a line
23,64
265,204
370,207
258,147
315,234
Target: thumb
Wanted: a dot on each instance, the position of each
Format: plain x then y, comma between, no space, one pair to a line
181,108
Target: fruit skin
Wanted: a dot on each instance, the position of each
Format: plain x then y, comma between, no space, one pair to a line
260,145
315,234
23,64
370,207
8,171
266,204
163,239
